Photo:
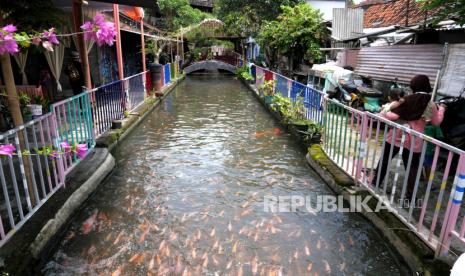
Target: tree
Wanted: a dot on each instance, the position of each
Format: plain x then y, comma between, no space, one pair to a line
246,17
179,13
298,33
446,9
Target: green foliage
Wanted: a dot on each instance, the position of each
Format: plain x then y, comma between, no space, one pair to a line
267,88
24,99
446,9
245,17
281,104
298,32
243,72
179,13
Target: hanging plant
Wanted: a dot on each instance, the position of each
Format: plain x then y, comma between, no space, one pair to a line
65,149
99,30
8,44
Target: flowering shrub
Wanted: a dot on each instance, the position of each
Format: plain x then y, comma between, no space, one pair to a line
99,30
8,44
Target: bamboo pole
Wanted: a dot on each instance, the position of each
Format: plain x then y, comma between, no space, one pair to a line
15,109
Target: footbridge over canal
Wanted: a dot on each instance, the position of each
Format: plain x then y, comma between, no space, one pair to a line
210,65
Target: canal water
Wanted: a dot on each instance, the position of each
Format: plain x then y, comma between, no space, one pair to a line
187,198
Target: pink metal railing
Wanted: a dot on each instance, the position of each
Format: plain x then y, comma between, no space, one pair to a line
429,204
28,178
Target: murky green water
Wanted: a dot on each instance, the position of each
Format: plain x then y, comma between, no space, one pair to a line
187,198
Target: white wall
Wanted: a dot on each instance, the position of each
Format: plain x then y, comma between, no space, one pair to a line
326,7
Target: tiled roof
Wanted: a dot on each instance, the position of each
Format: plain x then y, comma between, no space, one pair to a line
380,13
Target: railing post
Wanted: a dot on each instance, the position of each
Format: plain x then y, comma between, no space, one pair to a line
453,209
362,154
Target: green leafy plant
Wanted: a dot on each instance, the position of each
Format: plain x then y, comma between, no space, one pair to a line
313,132
24,100
267,88
243,72
282,105
298,33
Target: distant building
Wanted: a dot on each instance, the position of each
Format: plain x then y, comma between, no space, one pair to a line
381,13
326,7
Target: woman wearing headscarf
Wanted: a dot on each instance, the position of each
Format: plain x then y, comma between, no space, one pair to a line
414,112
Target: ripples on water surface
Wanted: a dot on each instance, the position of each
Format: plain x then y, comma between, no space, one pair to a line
187,198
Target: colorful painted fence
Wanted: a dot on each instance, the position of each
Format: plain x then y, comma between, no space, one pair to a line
420,179
28,177
39,162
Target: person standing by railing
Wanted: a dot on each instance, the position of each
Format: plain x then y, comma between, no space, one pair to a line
414,112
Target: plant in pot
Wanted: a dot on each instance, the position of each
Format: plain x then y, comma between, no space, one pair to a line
243,73
24,101
281,105
313,133
268,91
297,115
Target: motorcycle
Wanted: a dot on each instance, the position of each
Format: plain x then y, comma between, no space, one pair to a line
453,125
358,94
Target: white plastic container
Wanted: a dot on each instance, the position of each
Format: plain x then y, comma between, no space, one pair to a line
35,109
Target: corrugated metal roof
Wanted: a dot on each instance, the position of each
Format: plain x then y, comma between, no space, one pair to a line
400,61
453,78
347,23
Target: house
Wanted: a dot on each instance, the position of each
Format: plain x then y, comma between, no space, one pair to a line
381,13
326,7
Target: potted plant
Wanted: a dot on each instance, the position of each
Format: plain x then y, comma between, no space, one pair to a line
268,91
313,133
297,115
243,73
24,101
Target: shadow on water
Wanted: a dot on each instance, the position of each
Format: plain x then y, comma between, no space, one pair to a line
187,197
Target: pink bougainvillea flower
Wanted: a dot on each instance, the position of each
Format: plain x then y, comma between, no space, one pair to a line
48,46
9,28
81,150
66,147
99,30
7,149
53,154
51,36
8,44
36,40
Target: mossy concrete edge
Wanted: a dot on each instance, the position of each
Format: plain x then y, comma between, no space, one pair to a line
418,256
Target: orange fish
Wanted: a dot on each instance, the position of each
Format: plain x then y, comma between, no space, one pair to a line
118,238
351,241
327,267
260,134
277,131
309,266
254,265
88,225
144,234
137,258
117,272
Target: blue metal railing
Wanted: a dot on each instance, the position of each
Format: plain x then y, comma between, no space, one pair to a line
167,74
